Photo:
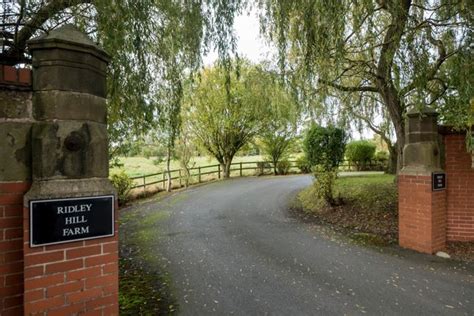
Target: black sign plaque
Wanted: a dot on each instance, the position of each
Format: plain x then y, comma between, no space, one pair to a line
439,181
57,221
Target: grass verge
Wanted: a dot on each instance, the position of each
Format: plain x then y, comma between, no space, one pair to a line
367,208
144,283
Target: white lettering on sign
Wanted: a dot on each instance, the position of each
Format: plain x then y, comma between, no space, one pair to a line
73,209
75,220
75,231
72,220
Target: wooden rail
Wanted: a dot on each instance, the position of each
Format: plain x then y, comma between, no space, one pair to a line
197,173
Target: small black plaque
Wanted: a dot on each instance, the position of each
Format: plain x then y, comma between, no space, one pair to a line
65,220
439,181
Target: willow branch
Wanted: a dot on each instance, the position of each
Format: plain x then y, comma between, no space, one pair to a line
348,88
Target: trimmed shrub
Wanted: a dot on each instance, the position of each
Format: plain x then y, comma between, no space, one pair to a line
324,146
381,156
324,184
303,164
283,167
360,153
122,184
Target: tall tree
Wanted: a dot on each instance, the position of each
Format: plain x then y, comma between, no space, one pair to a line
392,48
184,150
225,117
278,135
169,120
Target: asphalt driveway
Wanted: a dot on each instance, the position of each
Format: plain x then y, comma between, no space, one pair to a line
232,248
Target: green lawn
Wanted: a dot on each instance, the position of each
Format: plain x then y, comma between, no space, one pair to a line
354,182
377,193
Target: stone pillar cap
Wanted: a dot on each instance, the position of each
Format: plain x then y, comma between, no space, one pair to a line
68,37
427,111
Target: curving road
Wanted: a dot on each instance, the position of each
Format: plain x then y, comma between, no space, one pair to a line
232,248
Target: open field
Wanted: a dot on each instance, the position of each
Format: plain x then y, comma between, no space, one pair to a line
138,166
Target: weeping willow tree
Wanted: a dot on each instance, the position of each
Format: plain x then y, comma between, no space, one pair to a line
223,118
138,36
392,51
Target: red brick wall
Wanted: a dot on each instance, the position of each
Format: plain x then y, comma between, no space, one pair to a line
77,277
460,189
422,214
15,76
11,247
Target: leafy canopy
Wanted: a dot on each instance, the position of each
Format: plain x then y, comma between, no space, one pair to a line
143,38
398,53
223,119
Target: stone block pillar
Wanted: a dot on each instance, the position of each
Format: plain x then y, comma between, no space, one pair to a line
422,210
69,161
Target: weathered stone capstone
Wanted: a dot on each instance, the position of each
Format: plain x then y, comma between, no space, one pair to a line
422,153
66,60
69,83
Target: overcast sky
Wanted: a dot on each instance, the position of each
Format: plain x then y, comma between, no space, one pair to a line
249,42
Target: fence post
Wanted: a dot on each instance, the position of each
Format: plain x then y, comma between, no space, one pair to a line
163,182
144,183
199,174
241,169
218,171
179,176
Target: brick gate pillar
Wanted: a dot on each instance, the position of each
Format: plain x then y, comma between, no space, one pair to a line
422,210
15,178
66,269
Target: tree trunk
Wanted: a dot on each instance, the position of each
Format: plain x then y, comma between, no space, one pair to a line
396,110
400,145
187,175
168,173
225,166
393,159
384,82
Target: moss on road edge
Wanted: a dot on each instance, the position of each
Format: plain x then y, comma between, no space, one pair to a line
144,283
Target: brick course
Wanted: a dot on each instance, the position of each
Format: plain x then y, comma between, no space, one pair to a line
460,189
10,75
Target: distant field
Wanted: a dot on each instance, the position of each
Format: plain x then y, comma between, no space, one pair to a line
137,166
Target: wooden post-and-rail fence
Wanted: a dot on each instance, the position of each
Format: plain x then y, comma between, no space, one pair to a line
197,173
